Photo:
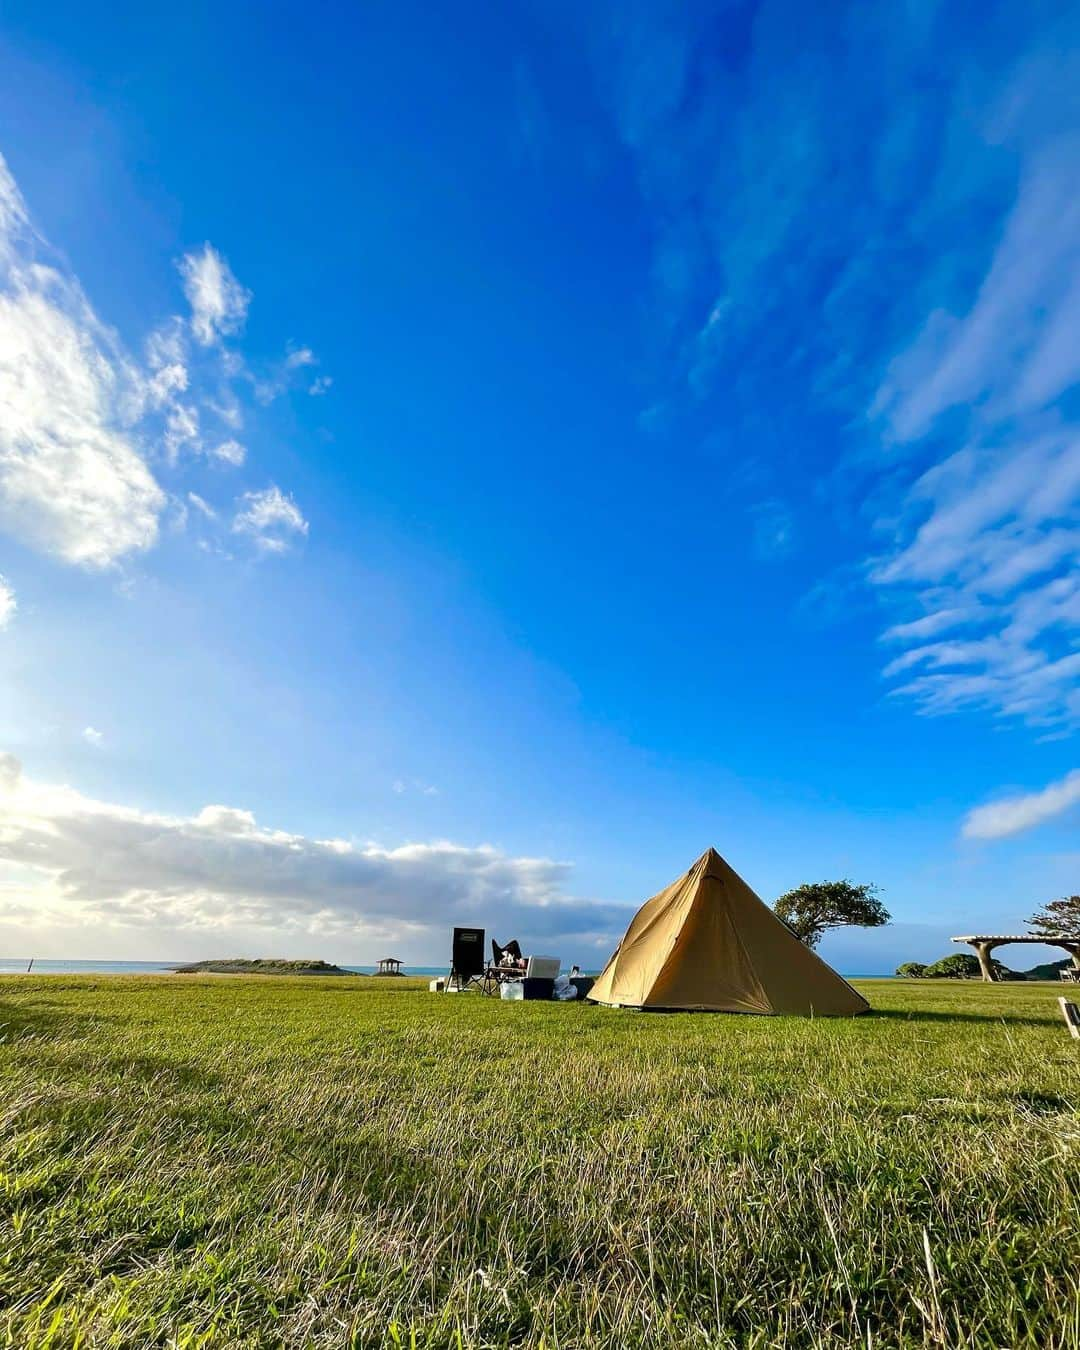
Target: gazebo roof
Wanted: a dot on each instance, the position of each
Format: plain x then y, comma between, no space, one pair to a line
1015,937
390,961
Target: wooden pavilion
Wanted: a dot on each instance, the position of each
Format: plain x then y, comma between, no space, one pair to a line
985,945
389,965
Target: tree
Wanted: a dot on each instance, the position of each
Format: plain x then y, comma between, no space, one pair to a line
815,906
1057,918
962,966
911,970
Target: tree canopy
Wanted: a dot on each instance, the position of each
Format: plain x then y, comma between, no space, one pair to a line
1057,918
809,910
964,966
959,966
911,970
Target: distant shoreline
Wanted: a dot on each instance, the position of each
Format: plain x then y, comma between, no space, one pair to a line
52,966
239,965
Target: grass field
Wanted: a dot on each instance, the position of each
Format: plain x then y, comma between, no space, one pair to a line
201,1161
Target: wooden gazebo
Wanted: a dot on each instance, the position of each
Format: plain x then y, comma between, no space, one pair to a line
984,945
389,965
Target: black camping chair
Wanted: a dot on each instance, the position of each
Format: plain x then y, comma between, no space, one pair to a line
506,964
499,954
467,959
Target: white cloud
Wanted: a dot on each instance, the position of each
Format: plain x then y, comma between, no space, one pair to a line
937,621
284,375
167,363
202,506
803,182
8,605
80,421
219,870
230,452
14,220
218,302
996,537
401,785
1018,347
271,518
72,480
92,736
72,483
227,407
181,429
1013,815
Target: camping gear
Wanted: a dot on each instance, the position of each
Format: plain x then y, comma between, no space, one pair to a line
538,988
542,967
507,964
582,983
437,986
709,943
466,959
509,955
564,991
513,991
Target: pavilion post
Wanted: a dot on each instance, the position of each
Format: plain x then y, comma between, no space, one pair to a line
982,951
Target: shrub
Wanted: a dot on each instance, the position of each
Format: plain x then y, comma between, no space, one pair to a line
960,966
911,970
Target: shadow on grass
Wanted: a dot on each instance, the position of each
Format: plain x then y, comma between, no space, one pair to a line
24,1019
174,1074
1042,1103
924,1015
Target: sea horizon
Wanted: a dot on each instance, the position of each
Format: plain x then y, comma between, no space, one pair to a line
13,965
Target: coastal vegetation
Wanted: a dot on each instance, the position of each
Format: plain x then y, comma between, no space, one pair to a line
964,966
225,1162
238,965
811,909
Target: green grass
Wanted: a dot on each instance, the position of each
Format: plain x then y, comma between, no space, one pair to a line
191,1161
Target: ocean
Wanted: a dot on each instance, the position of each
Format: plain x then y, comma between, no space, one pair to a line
10,965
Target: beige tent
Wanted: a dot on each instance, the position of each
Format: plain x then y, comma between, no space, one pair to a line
708,942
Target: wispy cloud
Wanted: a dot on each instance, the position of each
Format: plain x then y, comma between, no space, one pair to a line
219,304
289,373
219,870
996,537
270,518
880,292
8,604
229,452
774,529
1016,349
403,785
92,736
1014,815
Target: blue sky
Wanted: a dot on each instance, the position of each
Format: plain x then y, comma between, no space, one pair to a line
459,465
